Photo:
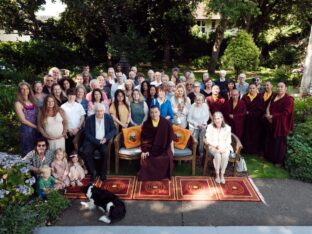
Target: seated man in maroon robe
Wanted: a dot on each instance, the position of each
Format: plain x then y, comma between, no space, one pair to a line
157,147
280,117
234,111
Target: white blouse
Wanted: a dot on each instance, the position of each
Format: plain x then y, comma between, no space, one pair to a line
219,137
198,115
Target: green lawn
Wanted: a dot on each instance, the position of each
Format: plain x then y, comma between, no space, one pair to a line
259,168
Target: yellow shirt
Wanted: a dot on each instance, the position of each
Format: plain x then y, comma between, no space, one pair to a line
266,96
123,113
155,123
234,104
214,97
252,97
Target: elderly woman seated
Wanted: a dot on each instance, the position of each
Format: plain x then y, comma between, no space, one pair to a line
218,138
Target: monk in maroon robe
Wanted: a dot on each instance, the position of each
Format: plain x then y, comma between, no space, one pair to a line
215,102
254,112
234,111
267,96
280,117
157,147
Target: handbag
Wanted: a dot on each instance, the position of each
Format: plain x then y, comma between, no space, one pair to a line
241,165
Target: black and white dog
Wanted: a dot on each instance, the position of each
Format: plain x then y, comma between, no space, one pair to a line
113,208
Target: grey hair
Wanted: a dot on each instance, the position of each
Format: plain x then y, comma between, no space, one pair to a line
99,106
93,81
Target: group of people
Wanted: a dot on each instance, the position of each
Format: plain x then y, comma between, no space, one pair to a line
83,113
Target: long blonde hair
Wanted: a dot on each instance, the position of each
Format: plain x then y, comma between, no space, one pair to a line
31,97
185,98
60,150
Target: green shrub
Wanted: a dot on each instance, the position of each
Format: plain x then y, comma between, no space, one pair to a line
38,55
9,77
303,108
201,62
23,219
282,73
241,53
299,157
285,55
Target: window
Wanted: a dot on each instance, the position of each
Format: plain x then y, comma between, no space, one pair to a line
213,24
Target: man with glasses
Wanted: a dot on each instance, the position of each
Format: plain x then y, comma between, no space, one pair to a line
48,82
39,156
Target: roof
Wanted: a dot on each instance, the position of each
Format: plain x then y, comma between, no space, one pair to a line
201,13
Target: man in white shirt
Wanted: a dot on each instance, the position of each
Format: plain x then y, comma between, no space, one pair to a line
99,130
75,115
242,86
157,82
118,85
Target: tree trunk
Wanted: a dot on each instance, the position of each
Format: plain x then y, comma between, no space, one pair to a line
217,45
166,53
305,87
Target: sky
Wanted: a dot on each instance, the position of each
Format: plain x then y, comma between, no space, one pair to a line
52,9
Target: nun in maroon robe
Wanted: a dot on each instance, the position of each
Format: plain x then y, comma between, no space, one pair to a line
156,146
234,111
280,117
215,102
252,141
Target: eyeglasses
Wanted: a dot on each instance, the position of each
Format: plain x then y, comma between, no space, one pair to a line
41,145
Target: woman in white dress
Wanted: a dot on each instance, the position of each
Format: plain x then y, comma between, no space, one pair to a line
218,137
180,104
52,123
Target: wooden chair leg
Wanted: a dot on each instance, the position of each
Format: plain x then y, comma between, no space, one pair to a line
235,169
193,166
205,164
117,164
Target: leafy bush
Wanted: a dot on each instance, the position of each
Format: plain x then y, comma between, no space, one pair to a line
9,77
303,108
299,158
9,133
241,53
15,180
38,55
285,55
283,73
23,219
201,62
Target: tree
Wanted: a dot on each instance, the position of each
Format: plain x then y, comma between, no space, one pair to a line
306,81
241,53
20,15
231,12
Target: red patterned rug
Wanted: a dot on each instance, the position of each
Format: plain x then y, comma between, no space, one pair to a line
122,186
155,190
199,188
237,189
77,192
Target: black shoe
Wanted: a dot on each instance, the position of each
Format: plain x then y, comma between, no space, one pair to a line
103,177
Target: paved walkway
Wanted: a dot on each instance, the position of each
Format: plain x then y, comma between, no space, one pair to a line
288,203
174,230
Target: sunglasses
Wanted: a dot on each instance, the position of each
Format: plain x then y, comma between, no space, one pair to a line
41,145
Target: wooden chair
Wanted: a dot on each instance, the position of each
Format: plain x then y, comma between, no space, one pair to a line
122,153
187,154
237,147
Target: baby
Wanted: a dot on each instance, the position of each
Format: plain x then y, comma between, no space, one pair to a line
60,169
46,182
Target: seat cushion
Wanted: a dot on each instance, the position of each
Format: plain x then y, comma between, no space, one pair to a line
181,137
132,137
183,152
133,151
